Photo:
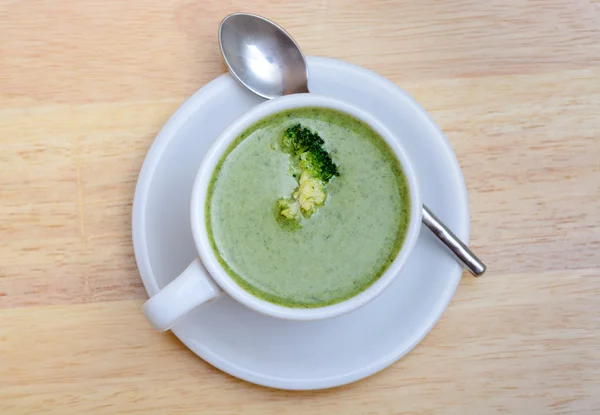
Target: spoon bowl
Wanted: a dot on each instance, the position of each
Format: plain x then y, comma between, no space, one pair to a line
262,56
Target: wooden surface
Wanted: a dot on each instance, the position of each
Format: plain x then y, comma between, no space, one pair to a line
86,85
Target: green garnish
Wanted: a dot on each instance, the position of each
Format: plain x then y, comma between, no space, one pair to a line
315,168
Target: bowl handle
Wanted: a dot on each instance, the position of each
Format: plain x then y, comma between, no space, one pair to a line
191,288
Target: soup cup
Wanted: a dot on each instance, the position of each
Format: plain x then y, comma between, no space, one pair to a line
205,279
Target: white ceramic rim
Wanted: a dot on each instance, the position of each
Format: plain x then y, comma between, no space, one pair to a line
204,176
140,237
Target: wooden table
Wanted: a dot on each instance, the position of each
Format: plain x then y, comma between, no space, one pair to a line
86,85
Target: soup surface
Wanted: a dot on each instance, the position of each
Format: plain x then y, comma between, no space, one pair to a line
336,250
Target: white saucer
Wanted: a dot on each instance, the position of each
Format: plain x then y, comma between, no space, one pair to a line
300,355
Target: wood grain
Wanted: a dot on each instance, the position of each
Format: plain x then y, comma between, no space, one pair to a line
86,85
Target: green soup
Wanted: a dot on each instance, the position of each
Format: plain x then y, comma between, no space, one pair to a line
341,249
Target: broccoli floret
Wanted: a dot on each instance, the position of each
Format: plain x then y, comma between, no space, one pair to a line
308,146
319,164
310,194
287,213
297,139
289,208
314,167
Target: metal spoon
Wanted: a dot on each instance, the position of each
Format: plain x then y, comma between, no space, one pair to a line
265,59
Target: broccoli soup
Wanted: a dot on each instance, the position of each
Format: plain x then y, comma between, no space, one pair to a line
307,208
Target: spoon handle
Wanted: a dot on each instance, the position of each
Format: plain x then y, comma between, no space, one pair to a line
458,249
